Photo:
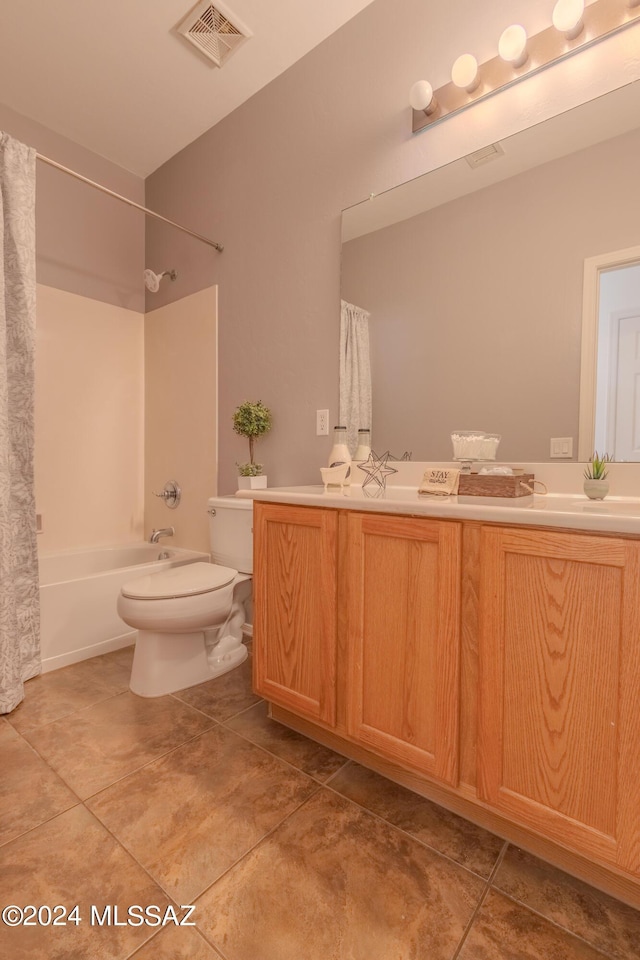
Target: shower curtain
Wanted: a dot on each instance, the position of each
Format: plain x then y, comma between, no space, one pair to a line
355,372
19,606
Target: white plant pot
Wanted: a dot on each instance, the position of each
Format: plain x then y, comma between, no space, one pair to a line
252,483
596,489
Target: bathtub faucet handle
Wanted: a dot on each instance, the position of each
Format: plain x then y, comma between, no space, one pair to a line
162,532
170,493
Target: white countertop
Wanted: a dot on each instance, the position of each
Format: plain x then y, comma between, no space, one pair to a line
614,515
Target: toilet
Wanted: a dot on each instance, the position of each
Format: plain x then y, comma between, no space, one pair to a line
190,618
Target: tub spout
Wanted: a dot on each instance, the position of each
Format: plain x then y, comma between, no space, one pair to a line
162,532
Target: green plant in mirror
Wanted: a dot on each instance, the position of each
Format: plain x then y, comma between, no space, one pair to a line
251,420
597,469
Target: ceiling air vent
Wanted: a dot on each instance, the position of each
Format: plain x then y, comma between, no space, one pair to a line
214,30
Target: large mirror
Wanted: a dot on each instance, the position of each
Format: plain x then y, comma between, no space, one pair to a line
474,277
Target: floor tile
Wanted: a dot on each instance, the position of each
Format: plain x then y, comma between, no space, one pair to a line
123,656
332,883
299,751
189,816
225,696
50,696
111,739
473,847
30,792
504,930
178,943
608,924
72,860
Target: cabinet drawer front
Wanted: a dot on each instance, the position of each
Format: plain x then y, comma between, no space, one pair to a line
559,658
295,603
403,611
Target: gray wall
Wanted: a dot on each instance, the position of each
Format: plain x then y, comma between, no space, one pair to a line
477,305
270,180
86,242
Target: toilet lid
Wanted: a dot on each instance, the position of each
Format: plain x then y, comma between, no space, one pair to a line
184,581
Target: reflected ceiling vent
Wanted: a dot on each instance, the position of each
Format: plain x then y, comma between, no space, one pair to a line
492,152
215,31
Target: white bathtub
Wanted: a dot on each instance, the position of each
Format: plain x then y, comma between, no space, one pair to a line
78,593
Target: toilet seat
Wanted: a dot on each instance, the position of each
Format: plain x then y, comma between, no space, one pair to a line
189,580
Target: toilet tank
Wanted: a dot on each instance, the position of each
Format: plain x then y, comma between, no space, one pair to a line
231,532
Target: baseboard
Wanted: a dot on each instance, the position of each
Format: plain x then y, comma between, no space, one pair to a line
85,653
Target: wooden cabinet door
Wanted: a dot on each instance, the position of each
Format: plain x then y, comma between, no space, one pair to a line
295,580
403,589
559,660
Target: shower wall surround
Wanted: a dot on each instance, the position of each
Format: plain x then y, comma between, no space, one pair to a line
180,415
123,403
89,421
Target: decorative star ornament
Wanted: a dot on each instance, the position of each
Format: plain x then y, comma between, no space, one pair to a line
377,470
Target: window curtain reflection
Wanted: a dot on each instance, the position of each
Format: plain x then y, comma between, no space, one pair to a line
19,607
355,372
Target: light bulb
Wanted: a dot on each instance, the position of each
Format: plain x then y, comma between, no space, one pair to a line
464,72
567,17
512,45
421,97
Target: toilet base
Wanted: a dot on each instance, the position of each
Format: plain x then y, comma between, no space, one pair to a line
164,663
227,655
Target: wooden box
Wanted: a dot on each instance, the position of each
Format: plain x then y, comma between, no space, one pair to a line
481,485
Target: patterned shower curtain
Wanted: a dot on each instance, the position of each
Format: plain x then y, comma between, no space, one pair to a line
19,607
355,372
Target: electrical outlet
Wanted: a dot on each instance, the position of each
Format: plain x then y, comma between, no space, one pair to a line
322,423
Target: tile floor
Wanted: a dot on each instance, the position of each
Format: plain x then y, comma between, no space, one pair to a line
287,851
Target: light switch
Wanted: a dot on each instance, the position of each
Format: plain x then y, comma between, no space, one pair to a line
561,448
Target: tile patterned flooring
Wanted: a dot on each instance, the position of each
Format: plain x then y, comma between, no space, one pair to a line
287,850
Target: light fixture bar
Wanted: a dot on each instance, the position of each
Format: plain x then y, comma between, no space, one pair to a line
601,19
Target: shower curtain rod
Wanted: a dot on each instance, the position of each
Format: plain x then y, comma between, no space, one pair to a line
131,203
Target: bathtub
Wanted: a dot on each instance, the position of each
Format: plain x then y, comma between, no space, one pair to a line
78,593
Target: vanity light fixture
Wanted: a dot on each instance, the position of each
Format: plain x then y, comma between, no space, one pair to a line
574,27
464,73
512,45
567,17
421,97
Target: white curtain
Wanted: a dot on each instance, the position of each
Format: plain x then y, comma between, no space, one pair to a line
355,372
19,607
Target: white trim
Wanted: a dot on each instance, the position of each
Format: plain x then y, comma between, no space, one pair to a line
593,267
612,385
86,653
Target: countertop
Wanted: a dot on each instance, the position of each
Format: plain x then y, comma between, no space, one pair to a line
613,515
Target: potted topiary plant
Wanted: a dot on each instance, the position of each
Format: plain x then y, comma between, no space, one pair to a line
596,485
251,420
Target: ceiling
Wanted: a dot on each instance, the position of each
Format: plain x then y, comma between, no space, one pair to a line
118,79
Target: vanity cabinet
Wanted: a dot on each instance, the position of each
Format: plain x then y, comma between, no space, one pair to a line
559,692
398,583
402,590
295,601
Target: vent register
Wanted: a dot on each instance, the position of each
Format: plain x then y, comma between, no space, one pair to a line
214,31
